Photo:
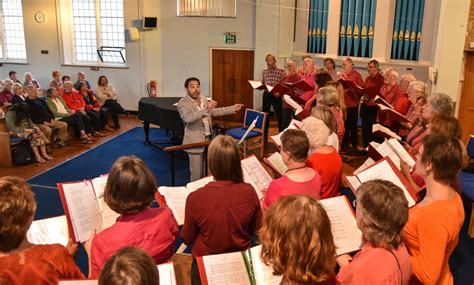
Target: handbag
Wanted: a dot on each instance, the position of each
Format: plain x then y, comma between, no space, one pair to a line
22,153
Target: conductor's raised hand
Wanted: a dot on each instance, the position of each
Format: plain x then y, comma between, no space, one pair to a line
211,104
238,107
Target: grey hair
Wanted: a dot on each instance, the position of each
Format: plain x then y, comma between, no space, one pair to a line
441,103
316,131
328,96
419,86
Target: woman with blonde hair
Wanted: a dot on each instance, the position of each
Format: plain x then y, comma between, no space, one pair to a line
19,93
340,92
325,114
297,241
417,92
328,96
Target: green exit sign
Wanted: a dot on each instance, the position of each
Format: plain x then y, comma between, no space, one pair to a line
230,39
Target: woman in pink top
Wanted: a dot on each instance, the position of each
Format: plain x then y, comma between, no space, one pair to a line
324,158
129,191
298,179
417,92
382,212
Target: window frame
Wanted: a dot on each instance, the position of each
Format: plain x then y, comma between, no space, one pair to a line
178,4
3,58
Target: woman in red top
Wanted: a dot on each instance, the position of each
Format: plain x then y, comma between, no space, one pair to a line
23,262
324,158
92,107
298,179
129,191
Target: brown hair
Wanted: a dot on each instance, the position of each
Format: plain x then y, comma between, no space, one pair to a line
325,114
54,73
297,240
445,154
296,144
321,78
130,266
130,186
382,212
446,125
224,160
17,208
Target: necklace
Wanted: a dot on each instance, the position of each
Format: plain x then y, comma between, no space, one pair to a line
290,169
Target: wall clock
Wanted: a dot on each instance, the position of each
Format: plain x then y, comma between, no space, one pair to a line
40,17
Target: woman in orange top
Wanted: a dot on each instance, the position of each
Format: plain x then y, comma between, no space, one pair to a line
433,226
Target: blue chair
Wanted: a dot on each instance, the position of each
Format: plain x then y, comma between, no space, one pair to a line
470,147
255,138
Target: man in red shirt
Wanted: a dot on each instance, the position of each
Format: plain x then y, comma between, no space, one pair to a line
368,110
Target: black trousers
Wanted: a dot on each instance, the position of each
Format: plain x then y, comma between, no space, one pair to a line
94,118
350,135
79,122
287,115
268,101
115,109
368,115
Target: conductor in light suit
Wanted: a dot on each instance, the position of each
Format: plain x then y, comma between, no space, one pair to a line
197,112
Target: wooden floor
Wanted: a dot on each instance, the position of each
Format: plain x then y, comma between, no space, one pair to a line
75,148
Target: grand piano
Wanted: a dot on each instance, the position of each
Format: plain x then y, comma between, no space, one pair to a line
161,111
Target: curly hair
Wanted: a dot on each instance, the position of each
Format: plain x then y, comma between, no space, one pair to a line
297,240
316,131
17,208
382,212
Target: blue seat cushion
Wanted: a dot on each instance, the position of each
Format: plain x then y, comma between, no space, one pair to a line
467,185
238,133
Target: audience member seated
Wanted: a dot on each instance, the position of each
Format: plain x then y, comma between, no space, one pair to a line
29,80
107,96
129,191
20,125
81,76
417,92
23,262
56,83
438,103
19,94
297,241
298,179
65,78
14,76
92,107
6,94
131,266
43,118
382,212
327,116
433,226
324,158
63,113
328,96
223,215
76,102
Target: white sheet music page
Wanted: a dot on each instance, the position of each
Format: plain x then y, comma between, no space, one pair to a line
227,268
255,84
107,215
176,200
380,128
353,181
347,236
367,163
255,174
277,162
83,209
167,275
195,185
383,171
401,152
292,103
263,273
49,231
386,150
277,138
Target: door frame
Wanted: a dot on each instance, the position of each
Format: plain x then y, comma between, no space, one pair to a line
210,62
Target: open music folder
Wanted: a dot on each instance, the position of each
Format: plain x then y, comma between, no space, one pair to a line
300,112
384,132
384,169
394,114
49,231
259,86
165,271
393,149
85,208
294,124
350,84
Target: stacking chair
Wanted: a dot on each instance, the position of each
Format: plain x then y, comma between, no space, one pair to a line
255,139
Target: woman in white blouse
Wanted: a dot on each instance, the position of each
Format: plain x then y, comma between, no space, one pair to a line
107,96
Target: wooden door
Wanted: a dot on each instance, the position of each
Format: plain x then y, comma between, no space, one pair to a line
466,102
231,70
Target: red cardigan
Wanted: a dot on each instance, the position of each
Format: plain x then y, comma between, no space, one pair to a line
73,100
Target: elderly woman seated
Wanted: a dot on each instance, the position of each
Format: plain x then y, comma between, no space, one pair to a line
324,158
23,262
382,212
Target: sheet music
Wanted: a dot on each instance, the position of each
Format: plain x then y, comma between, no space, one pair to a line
83,209
353,181
292,103
385,172
195,185
49,231
401,152
277,138
255,174
380,128
255,84
347,236
167,275
367,163
386,150
176,200
263,273
277,162
107,215
227,268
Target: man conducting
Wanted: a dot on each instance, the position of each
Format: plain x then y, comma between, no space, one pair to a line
197,112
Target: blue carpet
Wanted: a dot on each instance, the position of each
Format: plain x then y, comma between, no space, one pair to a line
98,161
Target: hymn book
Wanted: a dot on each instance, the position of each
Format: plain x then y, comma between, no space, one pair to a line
85,208
384,169
392,113
49,231
165,270
275,161
301,85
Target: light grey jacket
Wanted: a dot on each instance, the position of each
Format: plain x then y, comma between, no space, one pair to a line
194,130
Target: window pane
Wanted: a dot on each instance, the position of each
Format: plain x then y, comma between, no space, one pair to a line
13,31
207,8
85,33
112,28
